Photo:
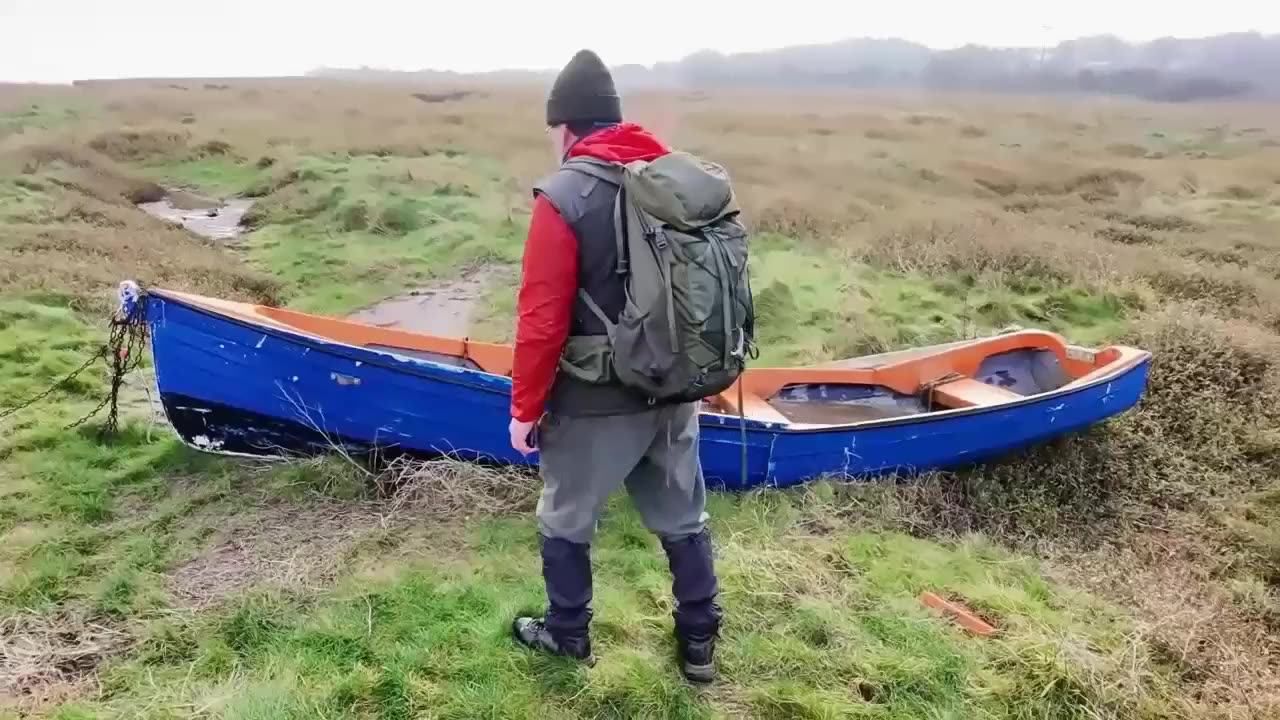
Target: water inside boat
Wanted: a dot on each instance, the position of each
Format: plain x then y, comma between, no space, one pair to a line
827,404
1006,375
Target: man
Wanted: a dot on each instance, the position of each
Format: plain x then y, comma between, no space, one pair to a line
595,438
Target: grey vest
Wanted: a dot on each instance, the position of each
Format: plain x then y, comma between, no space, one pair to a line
586,205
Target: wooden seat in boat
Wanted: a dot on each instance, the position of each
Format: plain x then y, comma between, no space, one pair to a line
753,407
966,392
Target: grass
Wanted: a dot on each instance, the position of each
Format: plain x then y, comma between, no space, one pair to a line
434,640
815,306
23,198
341,232
65,489
218,174
345,232
1131,571
44,115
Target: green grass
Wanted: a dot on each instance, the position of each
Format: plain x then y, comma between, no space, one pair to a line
42,116
218,174
65,489
814,305
816,627
343,232
23,199
44,340
346,231
823,617
819,625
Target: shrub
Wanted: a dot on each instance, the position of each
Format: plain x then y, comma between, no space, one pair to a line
440,97
399,219
213,147
1126,236
1128,150
354,216
1195,283
1240,192
1154,222
137,145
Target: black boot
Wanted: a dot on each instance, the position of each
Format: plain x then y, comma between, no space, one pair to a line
533,633
566,572
697,616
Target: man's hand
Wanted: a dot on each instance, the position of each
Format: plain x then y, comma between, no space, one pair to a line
520,432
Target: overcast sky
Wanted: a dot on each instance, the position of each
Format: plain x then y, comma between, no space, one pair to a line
61,40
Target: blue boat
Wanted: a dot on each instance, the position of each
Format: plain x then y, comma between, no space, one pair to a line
244,379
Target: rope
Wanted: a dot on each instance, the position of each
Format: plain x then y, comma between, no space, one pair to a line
742,429
926,389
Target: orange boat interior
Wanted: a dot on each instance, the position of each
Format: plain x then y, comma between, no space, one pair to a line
982,372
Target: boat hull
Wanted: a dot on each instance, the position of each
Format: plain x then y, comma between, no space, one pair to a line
232,386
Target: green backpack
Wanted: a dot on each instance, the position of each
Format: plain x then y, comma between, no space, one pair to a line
688,325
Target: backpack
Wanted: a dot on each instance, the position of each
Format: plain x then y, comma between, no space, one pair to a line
688,325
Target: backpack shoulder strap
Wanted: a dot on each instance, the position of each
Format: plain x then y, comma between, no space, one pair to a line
613,174
596,168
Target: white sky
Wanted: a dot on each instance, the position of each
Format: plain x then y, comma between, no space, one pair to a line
61,40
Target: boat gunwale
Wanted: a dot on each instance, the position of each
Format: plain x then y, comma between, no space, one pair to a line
951,413
451,374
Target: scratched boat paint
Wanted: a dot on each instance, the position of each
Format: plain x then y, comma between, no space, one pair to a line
235,385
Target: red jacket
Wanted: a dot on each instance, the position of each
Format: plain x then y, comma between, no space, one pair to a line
549,284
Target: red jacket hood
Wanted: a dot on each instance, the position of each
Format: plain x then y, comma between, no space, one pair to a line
620,143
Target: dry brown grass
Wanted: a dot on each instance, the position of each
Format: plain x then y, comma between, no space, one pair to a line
45,660
291,546
450,489
304,545
1158,511
1211,642
82,245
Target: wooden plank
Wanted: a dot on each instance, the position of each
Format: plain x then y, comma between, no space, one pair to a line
967,392
963,616
753,406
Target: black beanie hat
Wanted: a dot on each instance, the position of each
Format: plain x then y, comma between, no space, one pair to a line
584,93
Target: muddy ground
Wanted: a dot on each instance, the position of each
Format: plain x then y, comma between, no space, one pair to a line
445,310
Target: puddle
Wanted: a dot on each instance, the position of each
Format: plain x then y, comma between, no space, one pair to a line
216,220
836,413
444,310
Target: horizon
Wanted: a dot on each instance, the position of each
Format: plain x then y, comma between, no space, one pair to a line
57,42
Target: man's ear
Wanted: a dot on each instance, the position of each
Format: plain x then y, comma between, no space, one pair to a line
567,141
